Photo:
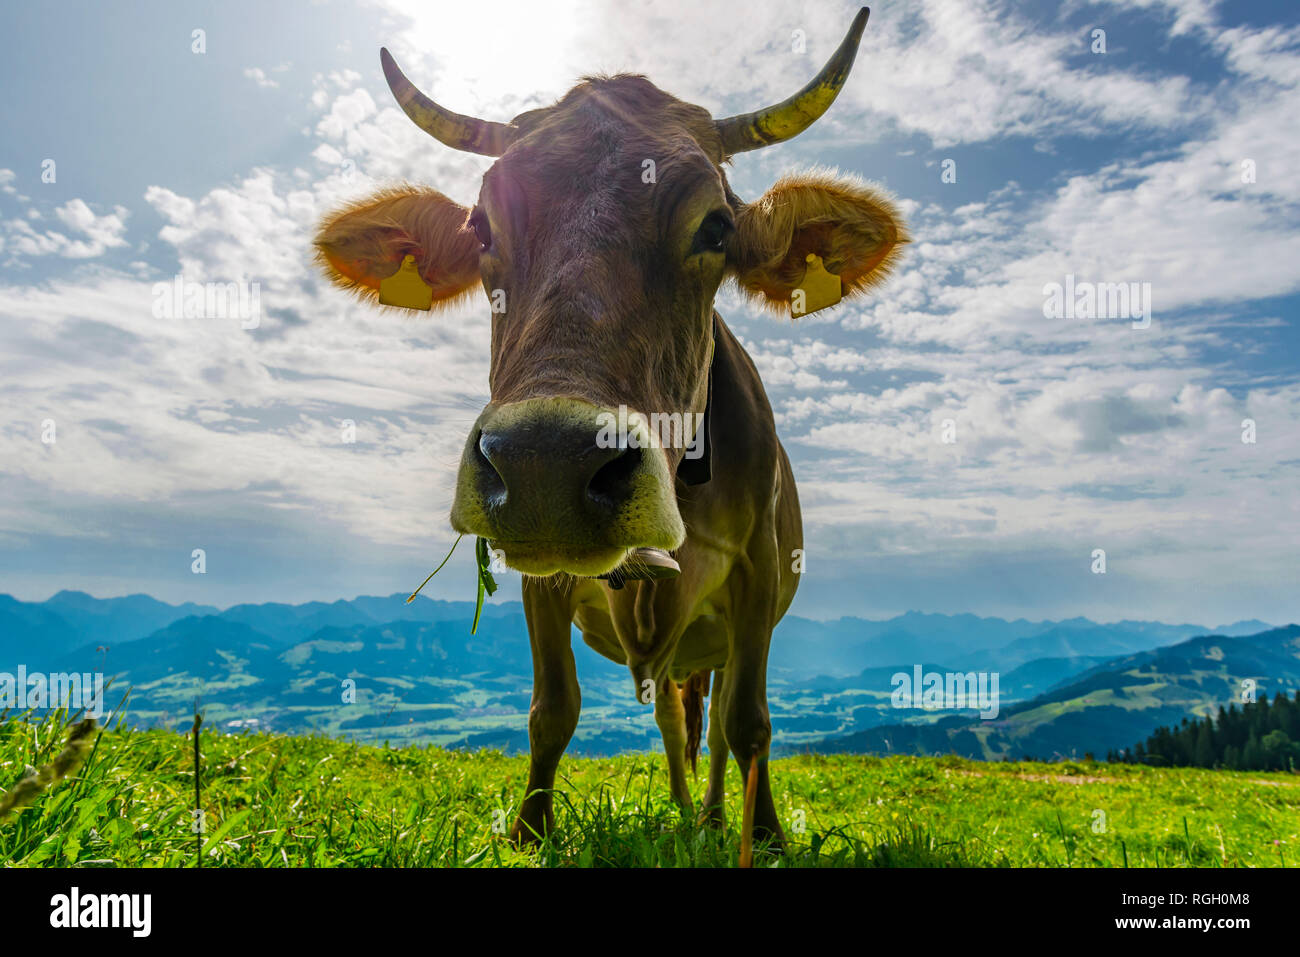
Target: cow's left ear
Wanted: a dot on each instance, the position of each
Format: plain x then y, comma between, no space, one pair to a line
364,243
855,229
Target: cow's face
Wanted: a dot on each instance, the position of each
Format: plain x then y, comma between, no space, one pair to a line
601,235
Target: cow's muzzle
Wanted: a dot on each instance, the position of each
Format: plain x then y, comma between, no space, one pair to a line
539,483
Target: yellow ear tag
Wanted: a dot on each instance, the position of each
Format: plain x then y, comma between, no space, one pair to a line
405,288
819,289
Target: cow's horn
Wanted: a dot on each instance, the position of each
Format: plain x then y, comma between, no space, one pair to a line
749,131
459,132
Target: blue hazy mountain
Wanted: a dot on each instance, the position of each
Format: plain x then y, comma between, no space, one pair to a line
846,645
72,618
801,646
1109,706
415,672
292,623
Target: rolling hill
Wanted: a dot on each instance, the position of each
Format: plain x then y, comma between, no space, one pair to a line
1108,706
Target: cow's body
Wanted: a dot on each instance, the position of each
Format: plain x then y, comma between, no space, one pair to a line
737,580
606,227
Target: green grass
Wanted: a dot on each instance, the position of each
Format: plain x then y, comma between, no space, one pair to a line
276,801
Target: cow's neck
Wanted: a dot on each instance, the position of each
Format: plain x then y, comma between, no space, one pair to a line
699,470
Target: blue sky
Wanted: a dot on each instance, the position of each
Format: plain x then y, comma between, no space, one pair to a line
1071,434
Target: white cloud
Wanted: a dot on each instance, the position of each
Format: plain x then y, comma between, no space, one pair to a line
92,234
1069,432
258,76
965,71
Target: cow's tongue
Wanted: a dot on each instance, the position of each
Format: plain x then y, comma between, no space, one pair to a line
643,564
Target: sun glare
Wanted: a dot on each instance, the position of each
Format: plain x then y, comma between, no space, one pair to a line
496,57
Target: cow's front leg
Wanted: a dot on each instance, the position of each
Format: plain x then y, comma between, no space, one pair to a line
671,718
749,735
556,704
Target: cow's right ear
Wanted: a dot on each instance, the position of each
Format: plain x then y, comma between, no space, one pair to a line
366,241
852,226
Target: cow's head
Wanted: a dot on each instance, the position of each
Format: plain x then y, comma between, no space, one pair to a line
602,233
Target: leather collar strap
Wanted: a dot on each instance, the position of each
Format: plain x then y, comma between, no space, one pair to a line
654,563
700,470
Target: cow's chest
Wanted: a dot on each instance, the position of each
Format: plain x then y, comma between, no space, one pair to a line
703,644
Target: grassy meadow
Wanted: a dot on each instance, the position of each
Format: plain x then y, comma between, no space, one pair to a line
280,801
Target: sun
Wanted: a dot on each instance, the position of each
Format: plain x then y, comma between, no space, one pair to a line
492,59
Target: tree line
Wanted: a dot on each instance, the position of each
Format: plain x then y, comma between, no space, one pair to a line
1257,737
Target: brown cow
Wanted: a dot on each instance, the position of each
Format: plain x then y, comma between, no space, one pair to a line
602,234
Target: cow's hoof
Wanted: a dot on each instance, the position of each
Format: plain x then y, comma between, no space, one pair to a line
772,842
775,847
529,833
712,815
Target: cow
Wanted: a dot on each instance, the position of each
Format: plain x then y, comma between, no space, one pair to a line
601,234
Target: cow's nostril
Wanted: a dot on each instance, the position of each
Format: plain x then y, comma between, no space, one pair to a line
612,482
491,484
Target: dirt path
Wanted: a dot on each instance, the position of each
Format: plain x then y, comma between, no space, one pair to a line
1052,778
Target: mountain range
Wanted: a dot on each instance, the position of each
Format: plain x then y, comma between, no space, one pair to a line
376,668
1099,708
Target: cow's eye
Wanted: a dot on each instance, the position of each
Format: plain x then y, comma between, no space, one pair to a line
713,233
479,223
